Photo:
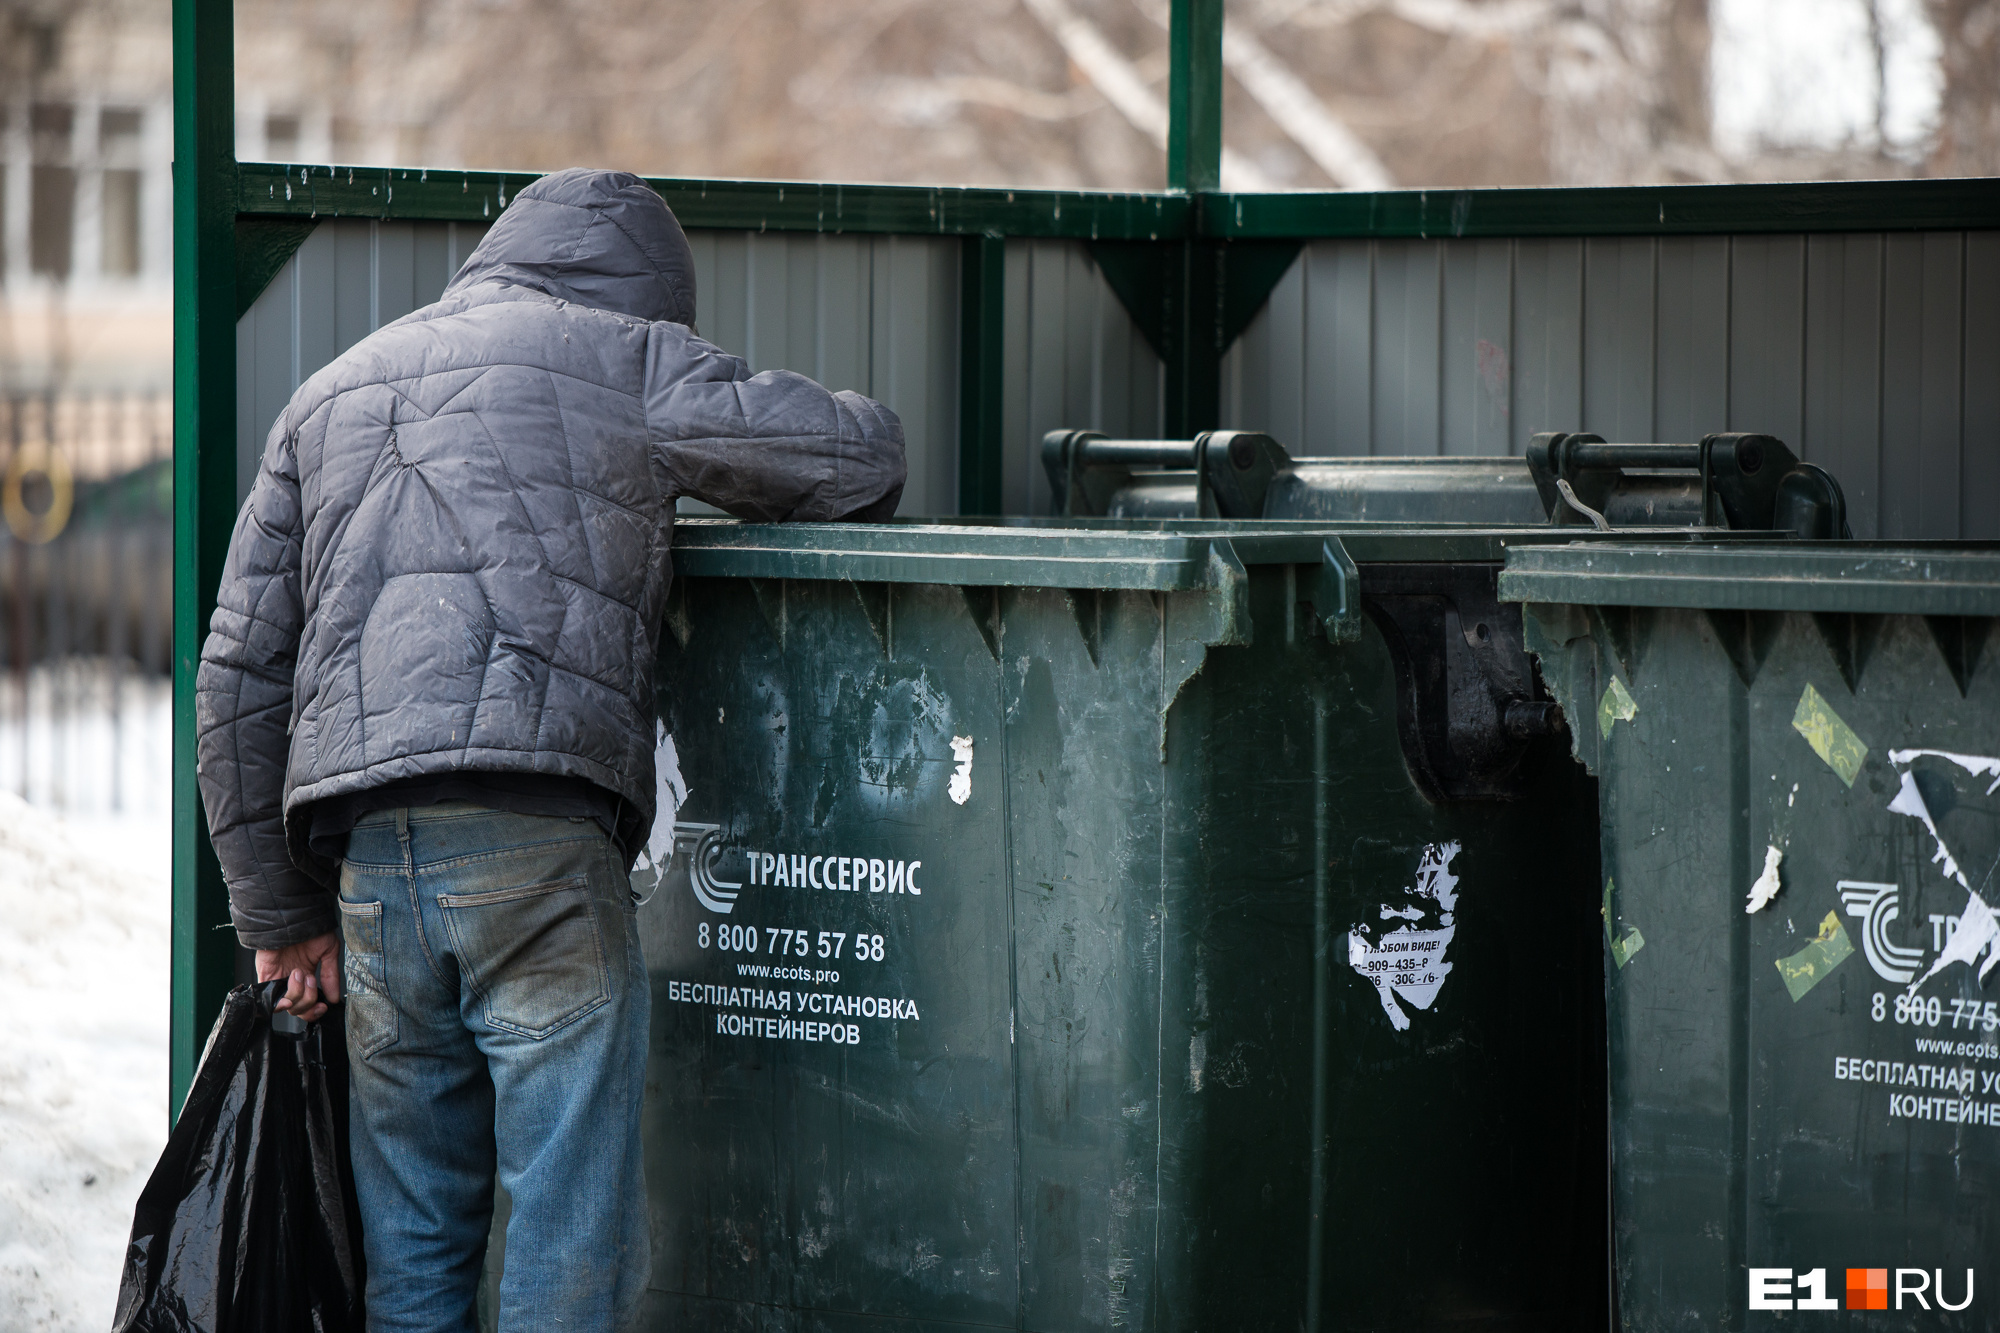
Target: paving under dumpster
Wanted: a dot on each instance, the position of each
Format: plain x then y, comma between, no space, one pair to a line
1059,937
1795,748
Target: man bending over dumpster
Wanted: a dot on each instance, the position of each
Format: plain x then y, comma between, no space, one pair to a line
426,724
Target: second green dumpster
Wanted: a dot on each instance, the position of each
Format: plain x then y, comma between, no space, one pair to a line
1797,750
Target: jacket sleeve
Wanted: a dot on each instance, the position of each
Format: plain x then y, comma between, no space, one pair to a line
243,712
773,447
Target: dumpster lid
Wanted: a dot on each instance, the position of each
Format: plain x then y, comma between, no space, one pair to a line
1871,578
969,556
1158,555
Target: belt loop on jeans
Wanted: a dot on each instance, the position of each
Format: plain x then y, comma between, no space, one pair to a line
403,838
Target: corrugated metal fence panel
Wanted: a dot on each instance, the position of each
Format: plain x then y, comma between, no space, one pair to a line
877,314
1872,355
1869,353
1073,358
346,281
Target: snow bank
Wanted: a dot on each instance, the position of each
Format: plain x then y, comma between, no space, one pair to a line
84,967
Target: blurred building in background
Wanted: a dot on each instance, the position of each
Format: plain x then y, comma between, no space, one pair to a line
86,366
86,210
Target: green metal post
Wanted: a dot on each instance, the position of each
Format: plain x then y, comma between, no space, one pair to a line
204,486
1194,289
982,302
1194,96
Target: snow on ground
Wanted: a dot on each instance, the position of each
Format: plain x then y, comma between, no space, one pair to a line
84,964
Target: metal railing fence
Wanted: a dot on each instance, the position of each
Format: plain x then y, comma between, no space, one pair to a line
86,598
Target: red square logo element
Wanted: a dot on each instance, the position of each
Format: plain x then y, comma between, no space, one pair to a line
1867,1288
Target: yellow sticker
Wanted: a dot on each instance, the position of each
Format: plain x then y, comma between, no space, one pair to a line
1831,739
1616,705
1622,947
1810,965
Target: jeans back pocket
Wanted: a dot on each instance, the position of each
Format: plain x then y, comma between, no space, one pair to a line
534,954
371,1014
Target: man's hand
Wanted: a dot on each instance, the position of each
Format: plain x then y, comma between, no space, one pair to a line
310,970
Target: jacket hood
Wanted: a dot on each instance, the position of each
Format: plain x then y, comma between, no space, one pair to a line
596,238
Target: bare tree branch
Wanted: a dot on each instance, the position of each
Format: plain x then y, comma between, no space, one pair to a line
1119,81
1968,141
1339,152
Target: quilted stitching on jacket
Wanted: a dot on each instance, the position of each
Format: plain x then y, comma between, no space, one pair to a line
454,555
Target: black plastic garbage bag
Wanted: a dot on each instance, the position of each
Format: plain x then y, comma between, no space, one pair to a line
248,1224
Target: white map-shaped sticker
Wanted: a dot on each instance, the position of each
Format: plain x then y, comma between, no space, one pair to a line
1409,962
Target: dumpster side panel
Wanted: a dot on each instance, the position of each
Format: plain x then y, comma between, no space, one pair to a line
1813,1084
1675,742
1087,796
837,1041
1874,1112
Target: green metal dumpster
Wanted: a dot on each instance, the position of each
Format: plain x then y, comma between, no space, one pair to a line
1794,746
1075,929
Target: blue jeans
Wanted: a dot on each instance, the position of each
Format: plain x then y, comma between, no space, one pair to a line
497,1011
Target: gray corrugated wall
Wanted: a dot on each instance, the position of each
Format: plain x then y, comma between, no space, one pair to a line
1876,356
1073,358
878,314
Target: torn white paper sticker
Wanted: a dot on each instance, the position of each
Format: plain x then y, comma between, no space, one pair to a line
960,786
1979,765
1767,885
1978,930
1909,801
1408,962
670,794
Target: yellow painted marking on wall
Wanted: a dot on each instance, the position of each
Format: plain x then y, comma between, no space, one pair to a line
1831,739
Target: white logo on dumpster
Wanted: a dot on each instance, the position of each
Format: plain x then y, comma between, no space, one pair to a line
1875,906
699,847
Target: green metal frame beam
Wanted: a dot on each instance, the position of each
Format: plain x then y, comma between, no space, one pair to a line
204,950
275,190
294,191
1637,210
1194,96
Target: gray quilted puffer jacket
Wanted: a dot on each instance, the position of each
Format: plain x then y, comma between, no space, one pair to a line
454,557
